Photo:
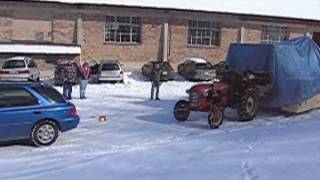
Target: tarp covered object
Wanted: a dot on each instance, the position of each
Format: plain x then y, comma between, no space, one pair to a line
294,64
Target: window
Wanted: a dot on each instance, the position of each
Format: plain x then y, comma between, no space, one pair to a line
14,64
204,66
16,97
32,64
50,94
271,34
204,33
110,67
123,29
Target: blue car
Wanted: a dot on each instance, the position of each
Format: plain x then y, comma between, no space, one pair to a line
35,112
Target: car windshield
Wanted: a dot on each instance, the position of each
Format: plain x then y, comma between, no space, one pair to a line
204,66
50,94
110,67
14,64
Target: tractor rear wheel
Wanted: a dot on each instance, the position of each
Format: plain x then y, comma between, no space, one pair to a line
215,118
182,110
248,105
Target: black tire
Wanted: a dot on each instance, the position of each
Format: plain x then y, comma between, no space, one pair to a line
38,79
182,110
44,133
248,105
216,117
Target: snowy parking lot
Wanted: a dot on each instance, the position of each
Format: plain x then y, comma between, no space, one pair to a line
142,140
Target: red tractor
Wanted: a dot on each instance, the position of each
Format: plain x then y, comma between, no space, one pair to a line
234,89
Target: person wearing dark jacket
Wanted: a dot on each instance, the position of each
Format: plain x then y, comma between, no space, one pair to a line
156,81
84,78
70,74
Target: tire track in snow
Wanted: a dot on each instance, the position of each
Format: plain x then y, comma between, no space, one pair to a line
248,171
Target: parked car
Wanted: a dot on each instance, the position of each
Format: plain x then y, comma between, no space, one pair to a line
94,67
19,69
35,112
219,67
110,71
196,69
58,73
167,72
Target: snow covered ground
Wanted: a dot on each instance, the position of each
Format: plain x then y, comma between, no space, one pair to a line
141,140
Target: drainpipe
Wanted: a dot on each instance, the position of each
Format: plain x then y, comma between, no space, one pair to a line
165,41
79,31
79,34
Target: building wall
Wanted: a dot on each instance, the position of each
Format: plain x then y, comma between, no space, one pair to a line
296,32
179,48
5,25
31,25
95,47
252,33
59,23
64,28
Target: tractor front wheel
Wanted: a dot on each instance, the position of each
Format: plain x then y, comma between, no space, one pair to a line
182,110
215,118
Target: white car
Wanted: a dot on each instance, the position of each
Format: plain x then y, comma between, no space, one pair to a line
196,69
110,71
19,69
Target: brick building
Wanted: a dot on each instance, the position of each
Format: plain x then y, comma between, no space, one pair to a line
136,33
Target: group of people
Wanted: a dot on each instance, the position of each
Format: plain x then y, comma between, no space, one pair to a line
72,73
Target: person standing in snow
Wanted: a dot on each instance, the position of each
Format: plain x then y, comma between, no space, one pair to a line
156,81
70,74
84,78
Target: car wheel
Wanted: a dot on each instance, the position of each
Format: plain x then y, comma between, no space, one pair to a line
44,133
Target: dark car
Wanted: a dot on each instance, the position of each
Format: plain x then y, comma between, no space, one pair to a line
196,69
94,68
167,72
35,112
219,67
58,73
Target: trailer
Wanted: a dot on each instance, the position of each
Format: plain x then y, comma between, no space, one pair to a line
295,69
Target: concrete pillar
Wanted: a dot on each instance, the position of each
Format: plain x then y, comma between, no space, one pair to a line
309,34
79,31
242,34
165,41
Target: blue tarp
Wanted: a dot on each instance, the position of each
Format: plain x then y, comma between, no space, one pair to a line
294,64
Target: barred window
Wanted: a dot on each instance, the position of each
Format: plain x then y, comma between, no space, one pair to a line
204,33
271,34
123,29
